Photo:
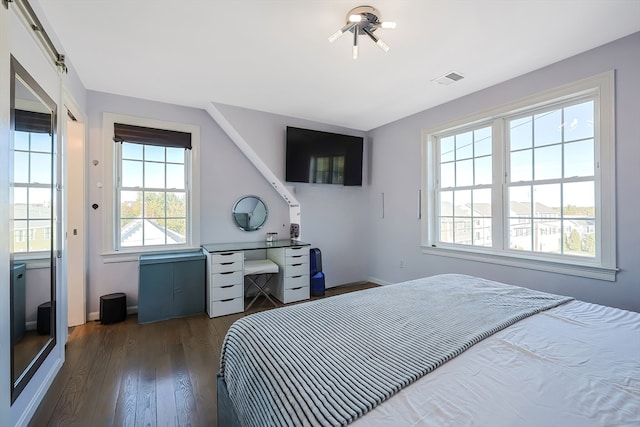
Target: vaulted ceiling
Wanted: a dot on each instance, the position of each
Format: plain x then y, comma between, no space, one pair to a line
274,56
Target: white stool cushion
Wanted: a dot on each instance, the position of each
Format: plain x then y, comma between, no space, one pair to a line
260,266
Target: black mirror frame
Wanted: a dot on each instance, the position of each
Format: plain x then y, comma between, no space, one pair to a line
20,381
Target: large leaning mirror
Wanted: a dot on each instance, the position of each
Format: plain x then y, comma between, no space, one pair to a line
250,213
32,230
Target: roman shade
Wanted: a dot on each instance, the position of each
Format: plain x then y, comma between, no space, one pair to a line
151,136
31,121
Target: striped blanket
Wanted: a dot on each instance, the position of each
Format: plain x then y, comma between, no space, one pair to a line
328,362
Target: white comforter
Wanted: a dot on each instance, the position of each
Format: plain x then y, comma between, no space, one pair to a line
573,365
331,361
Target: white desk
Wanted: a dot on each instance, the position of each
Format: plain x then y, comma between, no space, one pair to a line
225,273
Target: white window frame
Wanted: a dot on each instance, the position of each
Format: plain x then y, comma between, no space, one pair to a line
603,266
110,251
29,235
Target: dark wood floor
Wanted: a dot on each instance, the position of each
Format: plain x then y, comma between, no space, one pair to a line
157,374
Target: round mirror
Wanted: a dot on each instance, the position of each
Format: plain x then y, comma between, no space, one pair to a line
250,213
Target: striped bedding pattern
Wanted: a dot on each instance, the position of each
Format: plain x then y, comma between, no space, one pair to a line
328,362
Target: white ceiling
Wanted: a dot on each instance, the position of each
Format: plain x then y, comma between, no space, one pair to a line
274,55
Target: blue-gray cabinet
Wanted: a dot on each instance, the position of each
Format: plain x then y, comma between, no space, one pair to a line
171,285
18,280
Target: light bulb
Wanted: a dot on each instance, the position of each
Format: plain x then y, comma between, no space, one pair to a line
335,36
354,51
355,18
388,25
383,45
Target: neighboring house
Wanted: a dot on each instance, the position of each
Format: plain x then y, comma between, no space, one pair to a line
540,230
139,230
31,234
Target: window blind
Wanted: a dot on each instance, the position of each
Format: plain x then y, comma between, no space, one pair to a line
151,136
31,121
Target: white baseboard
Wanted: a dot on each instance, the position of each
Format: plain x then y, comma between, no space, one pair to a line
95,315
378,281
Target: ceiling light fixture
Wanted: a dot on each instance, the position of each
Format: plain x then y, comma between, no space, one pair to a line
363,20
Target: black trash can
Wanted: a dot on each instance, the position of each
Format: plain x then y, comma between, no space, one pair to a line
113,308
43,326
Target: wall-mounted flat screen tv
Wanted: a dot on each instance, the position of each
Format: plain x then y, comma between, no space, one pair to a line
323,157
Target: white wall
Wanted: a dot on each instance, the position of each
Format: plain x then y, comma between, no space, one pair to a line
396,169
332,216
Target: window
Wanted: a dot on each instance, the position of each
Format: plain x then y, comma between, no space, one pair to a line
154,187
464,193
551,179
32,196
530,183
152,195
327,169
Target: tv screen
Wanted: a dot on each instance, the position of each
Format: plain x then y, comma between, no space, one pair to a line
323,157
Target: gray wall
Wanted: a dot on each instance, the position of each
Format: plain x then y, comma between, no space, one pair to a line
332,216
396,171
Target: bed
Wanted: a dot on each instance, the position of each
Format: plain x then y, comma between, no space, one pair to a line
444,350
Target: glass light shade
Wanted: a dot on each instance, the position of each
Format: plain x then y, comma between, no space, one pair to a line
383,45
335,36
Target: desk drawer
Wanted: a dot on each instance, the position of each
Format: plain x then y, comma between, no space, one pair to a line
297,269
296,281
227,306
226,292
224,257
227,266
226,278
296,250
296,294
297,259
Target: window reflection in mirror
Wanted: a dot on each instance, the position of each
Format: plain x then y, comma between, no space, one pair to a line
32,234
250,213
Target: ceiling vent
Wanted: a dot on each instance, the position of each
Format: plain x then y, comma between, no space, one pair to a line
449,78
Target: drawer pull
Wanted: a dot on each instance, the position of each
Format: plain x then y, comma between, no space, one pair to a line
297,256
296,265
228,286
226,254
295,277
295,289
226,263
227,272
227,300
